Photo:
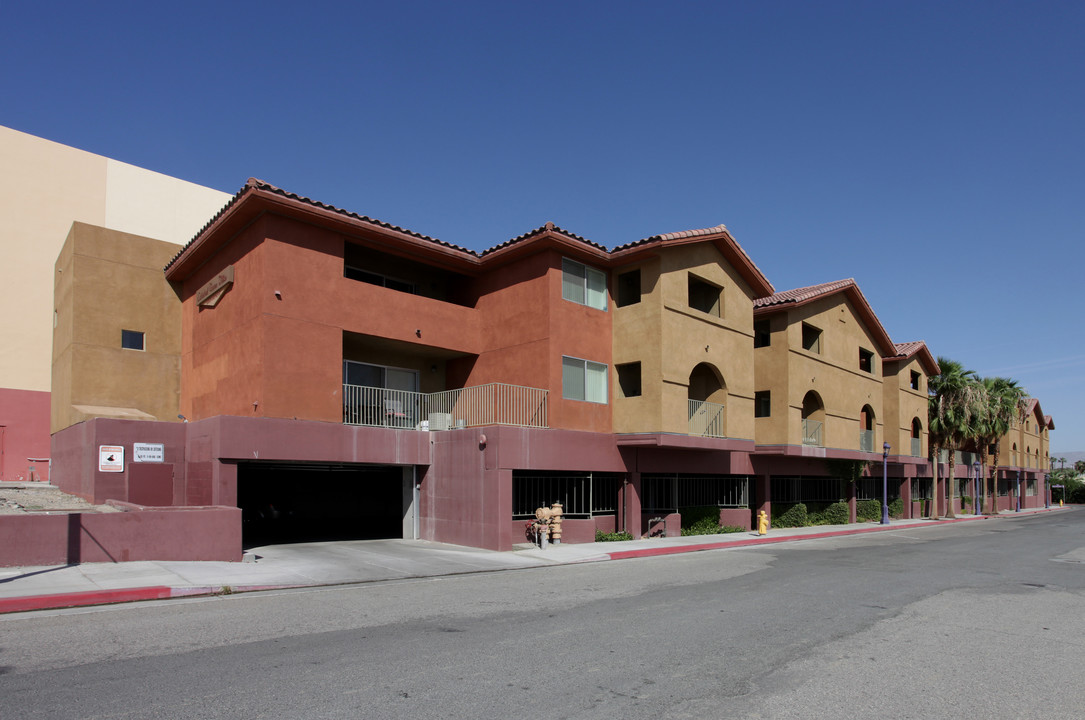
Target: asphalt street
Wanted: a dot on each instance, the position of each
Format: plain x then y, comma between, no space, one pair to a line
937,621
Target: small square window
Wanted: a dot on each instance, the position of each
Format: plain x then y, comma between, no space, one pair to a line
629,379
762,403
866,360
704,296
811,338
762,335
915,380
629,288
131,339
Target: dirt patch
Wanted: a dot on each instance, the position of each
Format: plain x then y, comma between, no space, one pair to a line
21,498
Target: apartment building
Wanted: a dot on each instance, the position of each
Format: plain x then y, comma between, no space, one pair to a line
343,377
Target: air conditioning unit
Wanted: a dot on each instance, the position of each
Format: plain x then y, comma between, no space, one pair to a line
440,421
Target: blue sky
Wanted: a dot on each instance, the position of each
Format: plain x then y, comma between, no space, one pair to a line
933,151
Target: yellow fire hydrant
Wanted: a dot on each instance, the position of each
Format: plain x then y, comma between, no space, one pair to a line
762,523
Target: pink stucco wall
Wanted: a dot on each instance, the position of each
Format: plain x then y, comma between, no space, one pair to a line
24,433
209,533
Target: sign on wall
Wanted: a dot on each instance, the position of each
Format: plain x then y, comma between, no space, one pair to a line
213,290
110,458
148,452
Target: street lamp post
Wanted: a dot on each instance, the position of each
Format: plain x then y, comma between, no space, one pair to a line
885,483
976,486
1047,492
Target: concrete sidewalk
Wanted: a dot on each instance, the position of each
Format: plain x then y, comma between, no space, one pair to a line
337,563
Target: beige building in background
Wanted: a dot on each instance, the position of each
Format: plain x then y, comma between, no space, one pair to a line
44,188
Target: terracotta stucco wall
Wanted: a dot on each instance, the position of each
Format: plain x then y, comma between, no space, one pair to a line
276,338
583,332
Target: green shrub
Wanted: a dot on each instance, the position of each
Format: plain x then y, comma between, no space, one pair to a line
896,508
601,536
835,514
794,516
870,510
705,521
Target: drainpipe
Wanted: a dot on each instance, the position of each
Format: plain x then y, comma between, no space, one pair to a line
415,500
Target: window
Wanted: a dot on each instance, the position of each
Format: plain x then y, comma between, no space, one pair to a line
582,494
629,288
356,273
583,380
811,338
132,339
379,376
762,403
762,335
866,360
584,285
629,379
915,381
704,296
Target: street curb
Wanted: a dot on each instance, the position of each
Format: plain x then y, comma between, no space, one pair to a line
81,599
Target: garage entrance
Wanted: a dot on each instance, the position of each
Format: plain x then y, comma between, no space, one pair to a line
306,502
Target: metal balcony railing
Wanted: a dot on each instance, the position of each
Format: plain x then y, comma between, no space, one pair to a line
705,419
476,406
917,447
811,432
866,441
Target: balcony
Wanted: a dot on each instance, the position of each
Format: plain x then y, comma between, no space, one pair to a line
811,432
706,419
917,447
866,441
476,406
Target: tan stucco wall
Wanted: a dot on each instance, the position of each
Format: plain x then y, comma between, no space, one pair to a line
670,339
108,281
833,374
44,187
902,404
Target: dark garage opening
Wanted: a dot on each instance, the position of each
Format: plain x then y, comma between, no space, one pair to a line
295,503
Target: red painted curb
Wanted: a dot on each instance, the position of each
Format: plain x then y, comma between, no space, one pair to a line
765,540
79,599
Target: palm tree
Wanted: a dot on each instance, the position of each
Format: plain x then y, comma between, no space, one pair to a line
1005,405
955,399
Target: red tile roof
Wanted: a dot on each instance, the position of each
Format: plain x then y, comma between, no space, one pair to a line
719,234
255,184
781,301
802,295
920,349
549,228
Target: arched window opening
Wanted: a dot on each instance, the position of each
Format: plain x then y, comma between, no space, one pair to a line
866,429
707,396
813,417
